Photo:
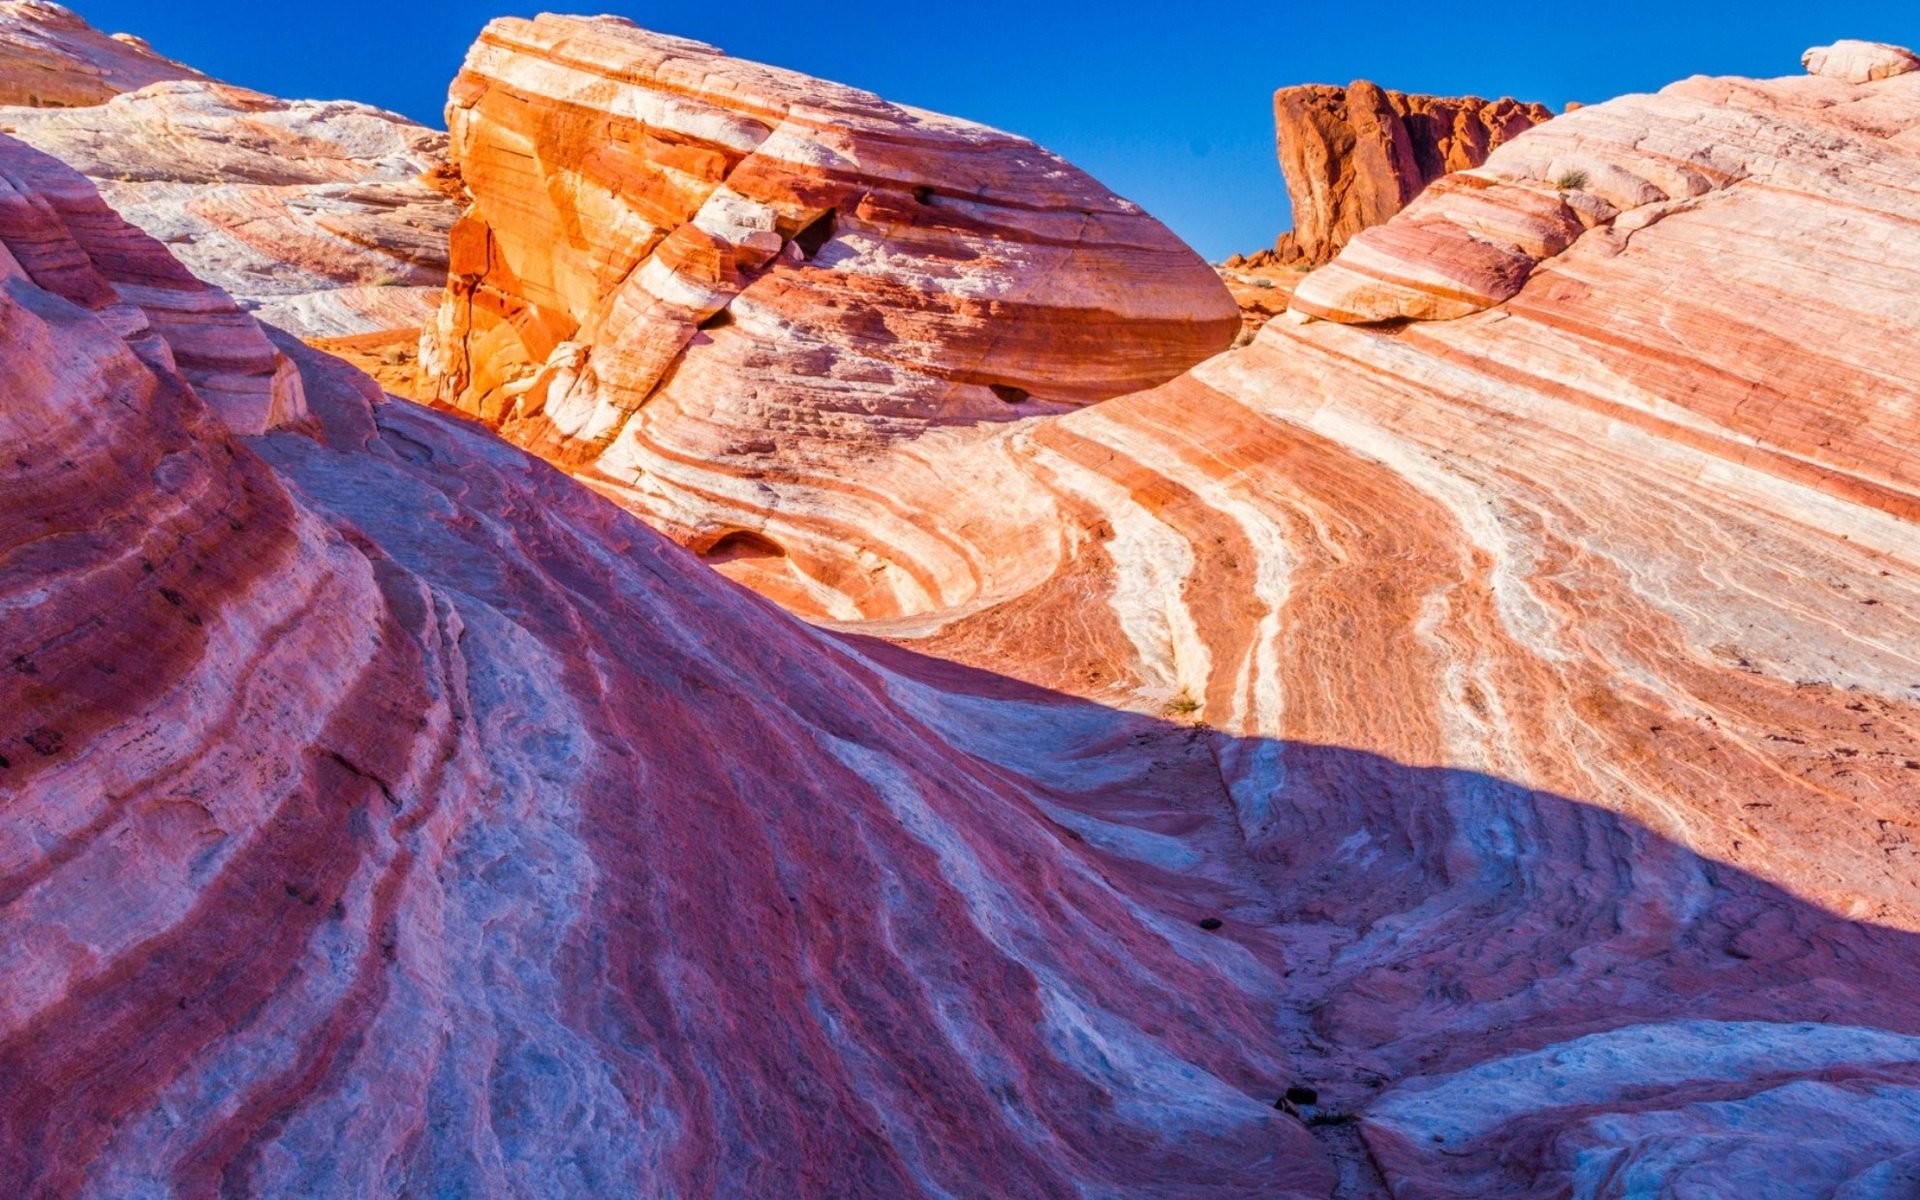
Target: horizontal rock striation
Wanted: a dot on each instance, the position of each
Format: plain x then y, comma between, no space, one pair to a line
51,58
704,285
1355,156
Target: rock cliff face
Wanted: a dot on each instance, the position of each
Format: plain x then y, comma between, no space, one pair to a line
50,58
1355,156
703,284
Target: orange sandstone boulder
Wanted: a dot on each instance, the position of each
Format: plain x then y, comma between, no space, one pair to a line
695,281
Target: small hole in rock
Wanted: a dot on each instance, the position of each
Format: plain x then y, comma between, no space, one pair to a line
719,320
1300,1094
1009,393
816,235
923,195
1211,923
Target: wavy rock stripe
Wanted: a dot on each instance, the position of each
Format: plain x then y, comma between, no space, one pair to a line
381,812
673,256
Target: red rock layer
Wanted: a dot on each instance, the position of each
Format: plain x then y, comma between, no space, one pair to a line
1355,156
699,282
51,58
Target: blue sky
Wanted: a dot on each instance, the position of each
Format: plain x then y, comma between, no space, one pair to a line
1167,103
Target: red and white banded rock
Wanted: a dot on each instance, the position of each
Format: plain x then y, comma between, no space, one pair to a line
1560,657
699,282
1471,241
51,58
381,811
324,218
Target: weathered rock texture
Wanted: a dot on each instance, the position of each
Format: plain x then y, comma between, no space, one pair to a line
1530,698
381,813
325,218
50,58
1625,570
1355,156
698,282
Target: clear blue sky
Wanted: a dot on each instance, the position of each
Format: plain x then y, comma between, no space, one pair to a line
1168,103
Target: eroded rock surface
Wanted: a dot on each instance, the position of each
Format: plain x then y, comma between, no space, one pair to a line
383,813
701,283
51,58
325,218
1355,156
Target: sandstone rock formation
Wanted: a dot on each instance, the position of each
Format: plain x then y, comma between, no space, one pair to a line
1557,661
1355,156
324,218
50,58
702,284
1860,62
1466,758
382,813
1776,154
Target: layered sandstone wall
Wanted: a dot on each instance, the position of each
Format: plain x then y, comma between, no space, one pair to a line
51,58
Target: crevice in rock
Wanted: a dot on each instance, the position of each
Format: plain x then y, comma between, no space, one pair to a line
817,234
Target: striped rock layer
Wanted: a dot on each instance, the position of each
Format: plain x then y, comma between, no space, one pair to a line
326,219
699,283
1527,703
1354,156
382,813
51,58
1561,657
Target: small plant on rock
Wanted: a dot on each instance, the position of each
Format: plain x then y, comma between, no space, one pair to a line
1571,180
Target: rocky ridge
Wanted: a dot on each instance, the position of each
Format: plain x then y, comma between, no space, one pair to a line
1354,156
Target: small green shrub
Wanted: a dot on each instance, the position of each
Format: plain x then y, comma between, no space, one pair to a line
1571,180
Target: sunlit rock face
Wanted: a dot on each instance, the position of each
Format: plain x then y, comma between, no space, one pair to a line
1355,156
709,287
1467,758
326,219
51,58
1775,160
1642,538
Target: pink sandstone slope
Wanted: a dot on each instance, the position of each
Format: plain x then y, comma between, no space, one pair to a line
327,219
381,813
